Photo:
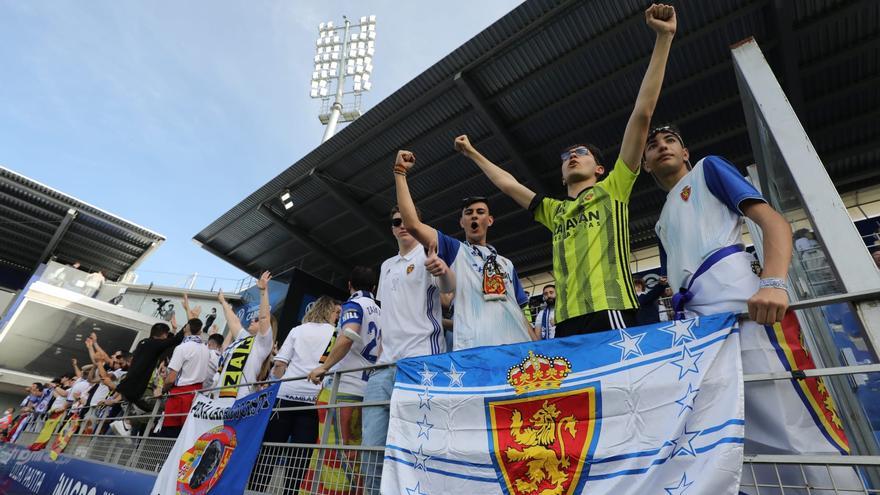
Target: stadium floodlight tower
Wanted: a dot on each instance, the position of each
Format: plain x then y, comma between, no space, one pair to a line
338,61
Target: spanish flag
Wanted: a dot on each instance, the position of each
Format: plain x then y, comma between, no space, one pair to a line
46,433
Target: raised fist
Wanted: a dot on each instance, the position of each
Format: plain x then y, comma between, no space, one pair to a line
463,144
405,159
263,282
661,18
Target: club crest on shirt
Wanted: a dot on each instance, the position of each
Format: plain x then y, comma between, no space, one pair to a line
410,268
589,196
686,193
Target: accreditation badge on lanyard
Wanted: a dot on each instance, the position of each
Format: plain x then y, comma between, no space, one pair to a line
493,275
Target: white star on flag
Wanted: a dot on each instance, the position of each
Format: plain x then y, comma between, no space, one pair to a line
454,375
688,362
424,427
689,450
427,376
678,489
687,402
425,399
416,490
629,344
421,459
681,330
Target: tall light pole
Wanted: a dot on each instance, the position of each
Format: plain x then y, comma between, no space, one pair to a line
340,60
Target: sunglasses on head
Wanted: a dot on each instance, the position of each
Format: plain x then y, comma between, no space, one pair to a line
396,222
579,151
667,129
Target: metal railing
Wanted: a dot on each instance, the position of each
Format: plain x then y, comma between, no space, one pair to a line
281,466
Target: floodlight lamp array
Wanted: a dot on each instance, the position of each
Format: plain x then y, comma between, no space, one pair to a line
358,59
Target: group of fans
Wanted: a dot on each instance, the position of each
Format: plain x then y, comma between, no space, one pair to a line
701,247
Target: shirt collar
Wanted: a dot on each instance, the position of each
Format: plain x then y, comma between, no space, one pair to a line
362,293
411,254
580,193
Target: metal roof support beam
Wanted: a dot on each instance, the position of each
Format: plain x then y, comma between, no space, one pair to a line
332,185
498,128
57,236
303,236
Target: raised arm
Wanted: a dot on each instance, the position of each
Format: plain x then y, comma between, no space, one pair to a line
98,351
76,371
425,234
265,317
661,18
105,377
502,179
231,319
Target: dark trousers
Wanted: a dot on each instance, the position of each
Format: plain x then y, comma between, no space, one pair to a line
286,427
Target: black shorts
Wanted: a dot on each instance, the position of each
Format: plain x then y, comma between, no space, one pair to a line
597,322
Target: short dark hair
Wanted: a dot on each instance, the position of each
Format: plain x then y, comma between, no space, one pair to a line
195,326
548,285
594,150
125,355
396,209
159,329
468,201
363,278
39,386
216,338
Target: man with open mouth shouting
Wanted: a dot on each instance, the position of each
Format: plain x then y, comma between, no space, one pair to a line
488,294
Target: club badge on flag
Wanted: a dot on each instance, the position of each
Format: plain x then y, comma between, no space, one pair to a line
653,409
217,446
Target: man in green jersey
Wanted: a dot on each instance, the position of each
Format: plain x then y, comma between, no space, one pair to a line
591,226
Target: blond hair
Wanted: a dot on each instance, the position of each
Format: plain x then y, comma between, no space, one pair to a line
321,311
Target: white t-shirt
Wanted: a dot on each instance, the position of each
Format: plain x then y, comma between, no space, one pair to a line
190,360
100,394
241,363
476,321
411,313
359,312
545,322
302,350
702,215
79,387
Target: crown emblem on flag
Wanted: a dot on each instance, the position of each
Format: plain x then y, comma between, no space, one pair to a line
538,372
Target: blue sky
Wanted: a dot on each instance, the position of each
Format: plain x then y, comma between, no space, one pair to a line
169,113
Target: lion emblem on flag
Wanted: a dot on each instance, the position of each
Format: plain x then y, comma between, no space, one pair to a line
543,463
543,435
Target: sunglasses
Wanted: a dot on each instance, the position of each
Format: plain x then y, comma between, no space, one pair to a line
579,151
396,222
667,129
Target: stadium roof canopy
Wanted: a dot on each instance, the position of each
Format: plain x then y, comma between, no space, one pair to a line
37,222
548,74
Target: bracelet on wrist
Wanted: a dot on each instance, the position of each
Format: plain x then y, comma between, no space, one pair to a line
773,283
400,170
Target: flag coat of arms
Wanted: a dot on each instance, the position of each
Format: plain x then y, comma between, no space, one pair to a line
217,446
652,409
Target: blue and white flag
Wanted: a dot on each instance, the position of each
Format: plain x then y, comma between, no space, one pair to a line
645,410
217,447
